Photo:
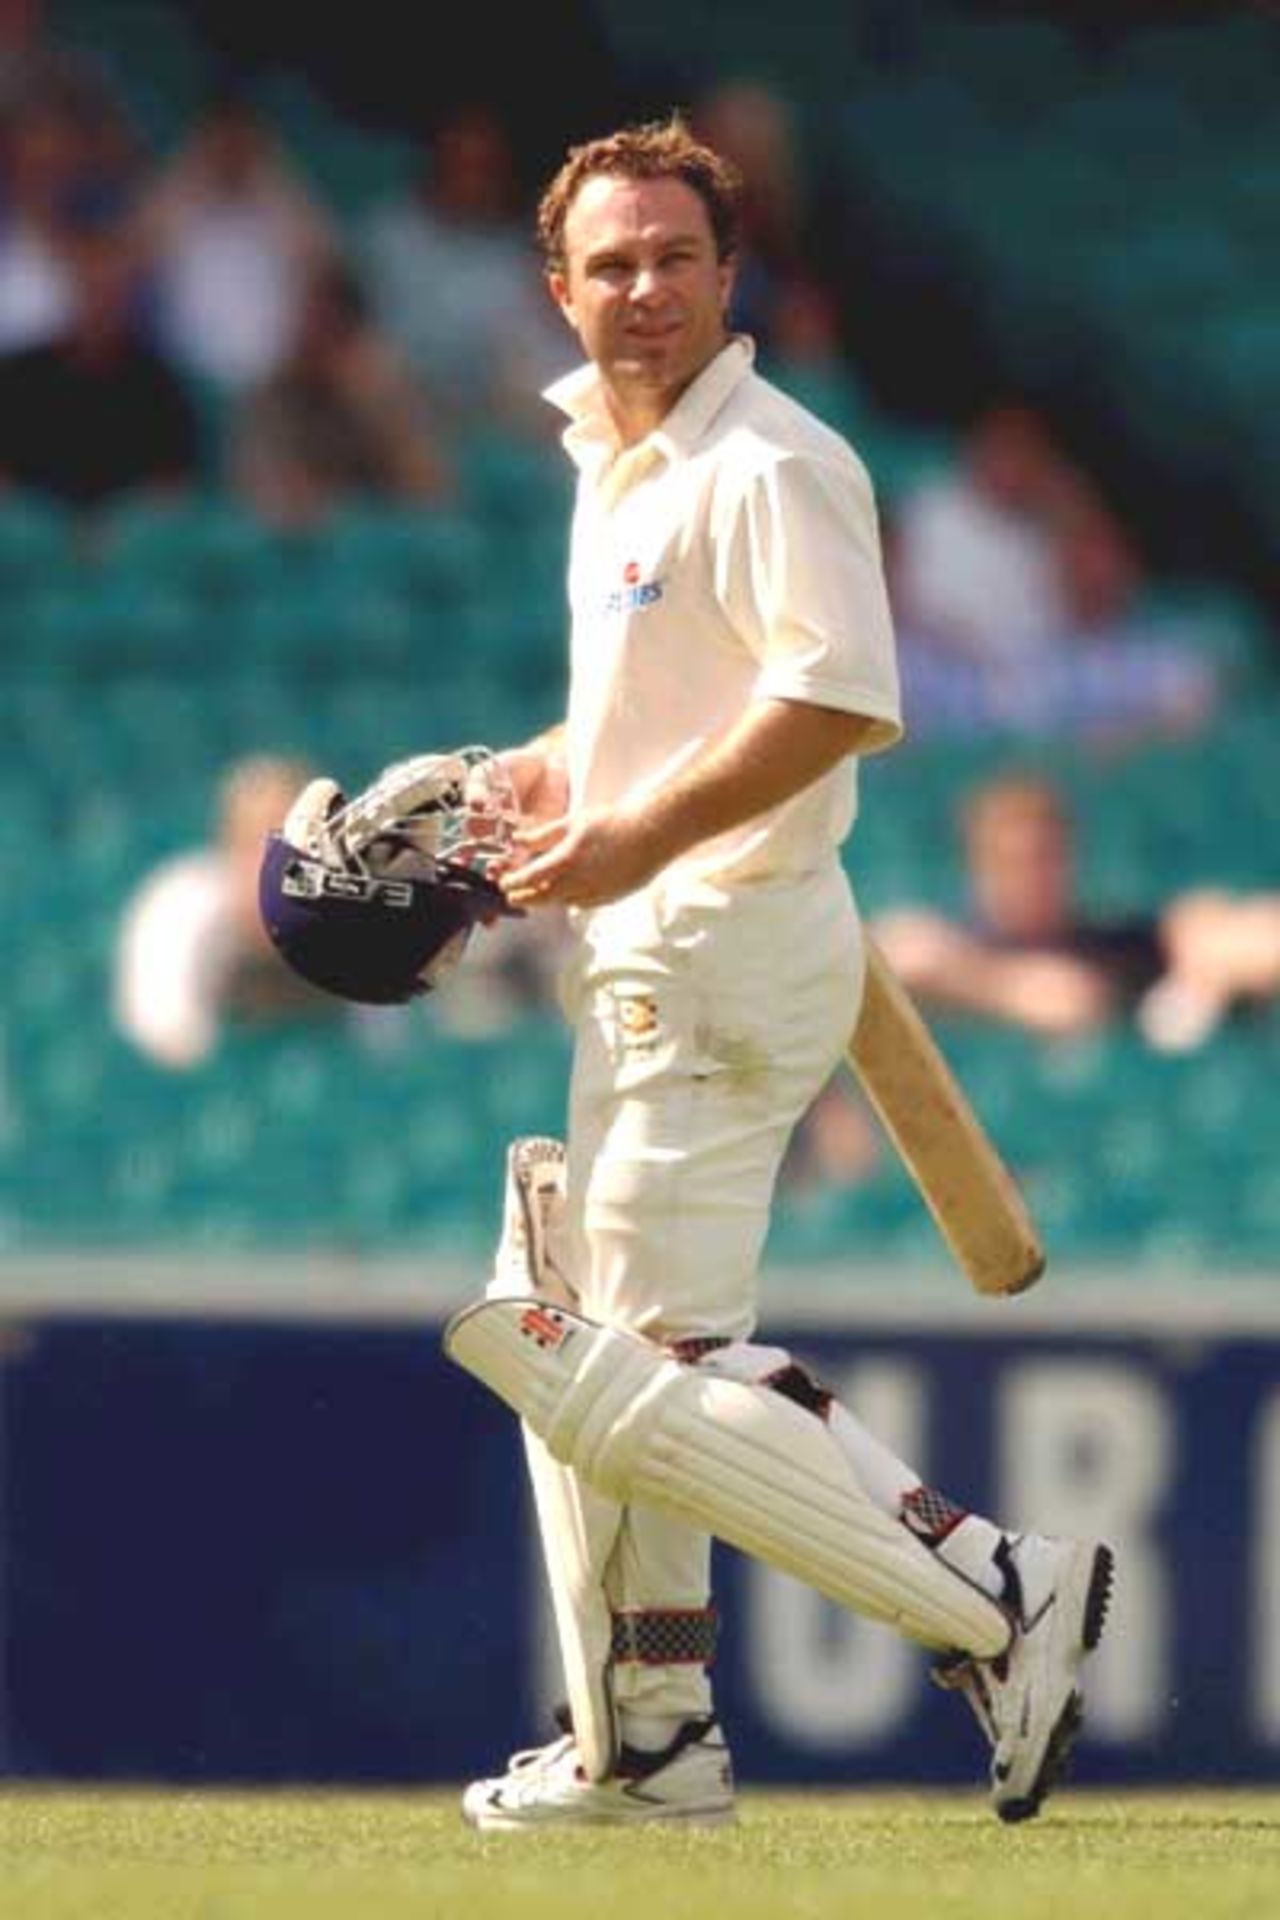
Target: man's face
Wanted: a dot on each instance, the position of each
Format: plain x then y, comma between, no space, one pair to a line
1022,875
643,288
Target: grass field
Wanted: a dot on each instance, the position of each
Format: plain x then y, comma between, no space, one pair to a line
281,1856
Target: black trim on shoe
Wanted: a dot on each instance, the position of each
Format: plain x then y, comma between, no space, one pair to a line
1053,1768
1099,1597
1061,1743
634,1763
1013,1598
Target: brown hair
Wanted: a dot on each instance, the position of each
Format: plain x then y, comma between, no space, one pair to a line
1018,796
654,150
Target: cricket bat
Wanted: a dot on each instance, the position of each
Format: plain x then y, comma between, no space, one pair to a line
967,1187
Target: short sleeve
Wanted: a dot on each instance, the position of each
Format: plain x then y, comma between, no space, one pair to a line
800,576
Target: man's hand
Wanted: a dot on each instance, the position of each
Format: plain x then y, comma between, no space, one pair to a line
1048,990
776,749
586,861
540,778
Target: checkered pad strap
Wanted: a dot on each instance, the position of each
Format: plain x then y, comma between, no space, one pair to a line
665,1637
930,1515
690,1351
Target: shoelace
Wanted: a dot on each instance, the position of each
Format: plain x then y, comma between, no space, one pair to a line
965,1677
531,1759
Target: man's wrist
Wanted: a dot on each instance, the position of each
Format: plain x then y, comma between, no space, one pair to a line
661,826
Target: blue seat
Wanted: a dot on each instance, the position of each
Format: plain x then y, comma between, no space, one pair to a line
513,487
316,633
432,559
205,549
38,549
98,633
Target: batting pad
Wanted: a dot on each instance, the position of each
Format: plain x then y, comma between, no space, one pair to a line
578,1526
738,1459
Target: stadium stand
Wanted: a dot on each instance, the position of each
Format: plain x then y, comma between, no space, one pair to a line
136,661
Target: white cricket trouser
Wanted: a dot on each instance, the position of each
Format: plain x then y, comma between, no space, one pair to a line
705,1027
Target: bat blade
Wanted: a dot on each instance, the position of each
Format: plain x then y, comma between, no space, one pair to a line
973,1197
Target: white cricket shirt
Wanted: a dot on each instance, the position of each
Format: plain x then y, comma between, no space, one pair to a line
731,556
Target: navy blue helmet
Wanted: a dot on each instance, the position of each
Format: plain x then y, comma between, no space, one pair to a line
375,899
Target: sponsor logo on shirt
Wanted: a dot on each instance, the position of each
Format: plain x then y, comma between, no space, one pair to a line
635,593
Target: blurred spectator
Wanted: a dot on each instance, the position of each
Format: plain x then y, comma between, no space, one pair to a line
232,236
754,127
38,65
192,956
1027,955
341,418
96,411
34,61
976,549
837,1143
456,282
40,153
63,138
511,969
1021,600
806,358
1223,954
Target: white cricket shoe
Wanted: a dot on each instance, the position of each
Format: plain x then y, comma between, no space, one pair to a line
1028,1700
690,1781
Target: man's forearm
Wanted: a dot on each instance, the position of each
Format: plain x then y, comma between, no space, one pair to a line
778,748
1047,993
596,855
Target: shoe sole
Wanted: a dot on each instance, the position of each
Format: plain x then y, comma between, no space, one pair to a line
1066,1729
666,1816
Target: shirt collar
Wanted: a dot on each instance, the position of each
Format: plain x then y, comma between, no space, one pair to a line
590,438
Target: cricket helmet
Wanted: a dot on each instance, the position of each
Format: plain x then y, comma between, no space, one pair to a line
375,899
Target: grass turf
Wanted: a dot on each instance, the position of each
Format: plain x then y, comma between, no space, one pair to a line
180,1855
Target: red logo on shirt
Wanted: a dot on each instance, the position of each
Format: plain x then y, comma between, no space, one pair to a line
635,593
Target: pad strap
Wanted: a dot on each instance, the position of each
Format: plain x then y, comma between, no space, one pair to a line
665,1637
743,1461
697,1347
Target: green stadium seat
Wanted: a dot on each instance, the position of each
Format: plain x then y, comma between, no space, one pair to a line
1018,67
97,635
1221,65
813,57
317,633
900,459
432,559
159,63
188,633
349,167
39,553
833,392
207,550
513,486
881,1213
